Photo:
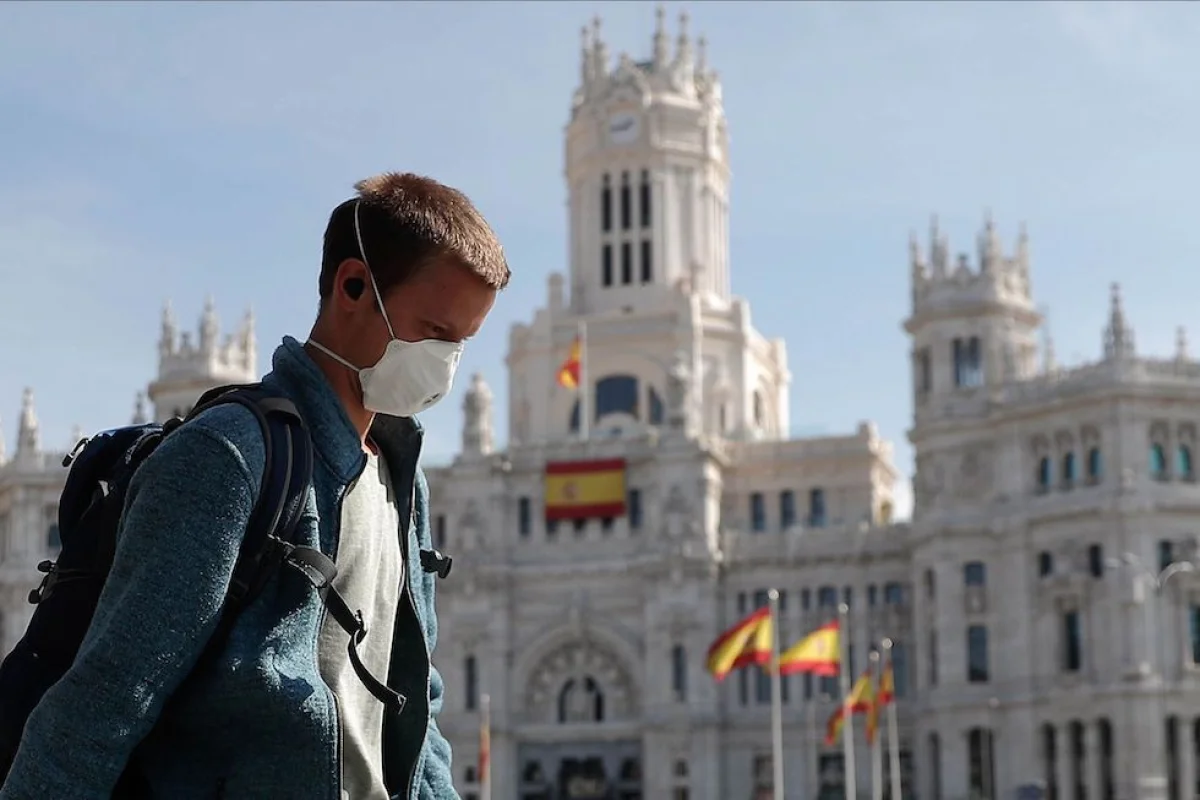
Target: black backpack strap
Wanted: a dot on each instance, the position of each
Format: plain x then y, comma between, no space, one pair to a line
287,473
320,571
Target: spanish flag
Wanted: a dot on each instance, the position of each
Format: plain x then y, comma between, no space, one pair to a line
568,373
862,698
818,653
747,642
585,489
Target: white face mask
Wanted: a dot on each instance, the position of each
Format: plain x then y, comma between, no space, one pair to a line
410,376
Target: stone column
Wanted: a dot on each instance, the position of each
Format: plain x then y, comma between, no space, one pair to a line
1063,757
1186,747
1093,761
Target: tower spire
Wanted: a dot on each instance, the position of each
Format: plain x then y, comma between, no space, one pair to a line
661,46
1181,344
169,334
1118,336
209,327
586,72
28,435
599,51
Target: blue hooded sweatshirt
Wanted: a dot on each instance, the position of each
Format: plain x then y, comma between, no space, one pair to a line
256,721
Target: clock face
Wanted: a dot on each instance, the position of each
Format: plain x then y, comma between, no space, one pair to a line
623,128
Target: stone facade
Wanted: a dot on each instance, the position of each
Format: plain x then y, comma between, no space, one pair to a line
1014,598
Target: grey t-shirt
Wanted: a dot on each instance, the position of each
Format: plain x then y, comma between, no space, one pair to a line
370,572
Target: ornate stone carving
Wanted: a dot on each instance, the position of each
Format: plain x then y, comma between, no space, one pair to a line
573,674
675,513
679,386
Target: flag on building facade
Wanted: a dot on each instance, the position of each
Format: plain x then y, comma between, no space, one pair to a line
817,653
861,700
568,373
748,642
585,489
485,744
886,693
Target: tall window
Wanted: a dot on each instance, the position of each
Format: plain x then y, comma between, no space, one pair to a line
975,573
1183,462
1045,564
977,654
932,658
606,264
53,539
758,512
626,263
524,516
1068,469
893,594
644,204
1166,554
647,261
981,763
1096,560
787,509
968,362
827,597
439,531
1158,462
634,509
1095,465
679,673
935,766
1194,631
1072,642
606,205
1044,473
471,681
626,202
816,508
924,370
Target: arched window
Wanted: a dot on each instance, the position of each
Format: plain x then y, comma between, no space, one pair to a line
1183,462
1095,465
1158,462
1043,473
1068,469
617,394
581,701
626,203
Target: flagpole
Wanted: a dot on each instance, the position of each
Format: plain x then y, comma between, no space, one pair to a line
848,767
585,418
813,773
776,699
876,750
893,732
485,788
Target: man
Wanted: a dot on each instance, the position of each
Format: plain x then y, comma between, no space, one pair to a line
410,271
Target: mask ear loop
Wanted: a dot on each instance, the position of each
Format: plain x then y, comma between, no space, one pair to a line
370,272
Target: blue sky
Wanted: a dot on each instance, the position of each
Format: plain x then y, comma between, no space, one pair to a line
155,151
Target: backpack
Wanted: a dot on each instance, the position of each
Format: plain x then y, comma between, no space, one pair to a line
89,515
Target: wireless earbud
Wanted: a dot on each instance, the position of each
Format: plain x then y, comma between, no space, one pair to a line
354,287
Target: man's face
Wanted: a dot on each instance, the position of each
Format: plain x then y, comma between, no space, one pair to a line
444,301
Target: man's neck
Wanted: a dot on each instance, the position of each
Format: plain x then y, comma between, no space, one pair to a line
345,385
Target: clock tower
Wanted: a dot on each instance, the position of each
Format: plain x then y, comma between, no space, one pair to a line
648,177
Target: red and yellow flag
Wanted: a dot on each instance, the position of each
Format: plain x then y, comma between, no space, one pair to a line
585,489
862,699
485,746
568,373
818,653
747,642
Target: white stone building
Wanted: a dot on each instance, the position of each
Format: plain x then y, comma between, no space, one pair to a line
1015,634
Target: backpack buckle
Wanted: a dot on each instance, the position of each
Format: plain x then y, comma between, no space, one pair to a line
50,569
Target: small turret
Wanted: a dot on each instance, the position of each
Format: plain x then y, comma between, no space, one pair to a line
1118,336
169,336
477,437
599,53
1181,344
684,65
28,433
139,410
209,326
662,47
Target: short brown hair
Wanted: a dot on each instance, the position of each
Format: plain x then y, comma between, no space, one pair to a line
407,221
